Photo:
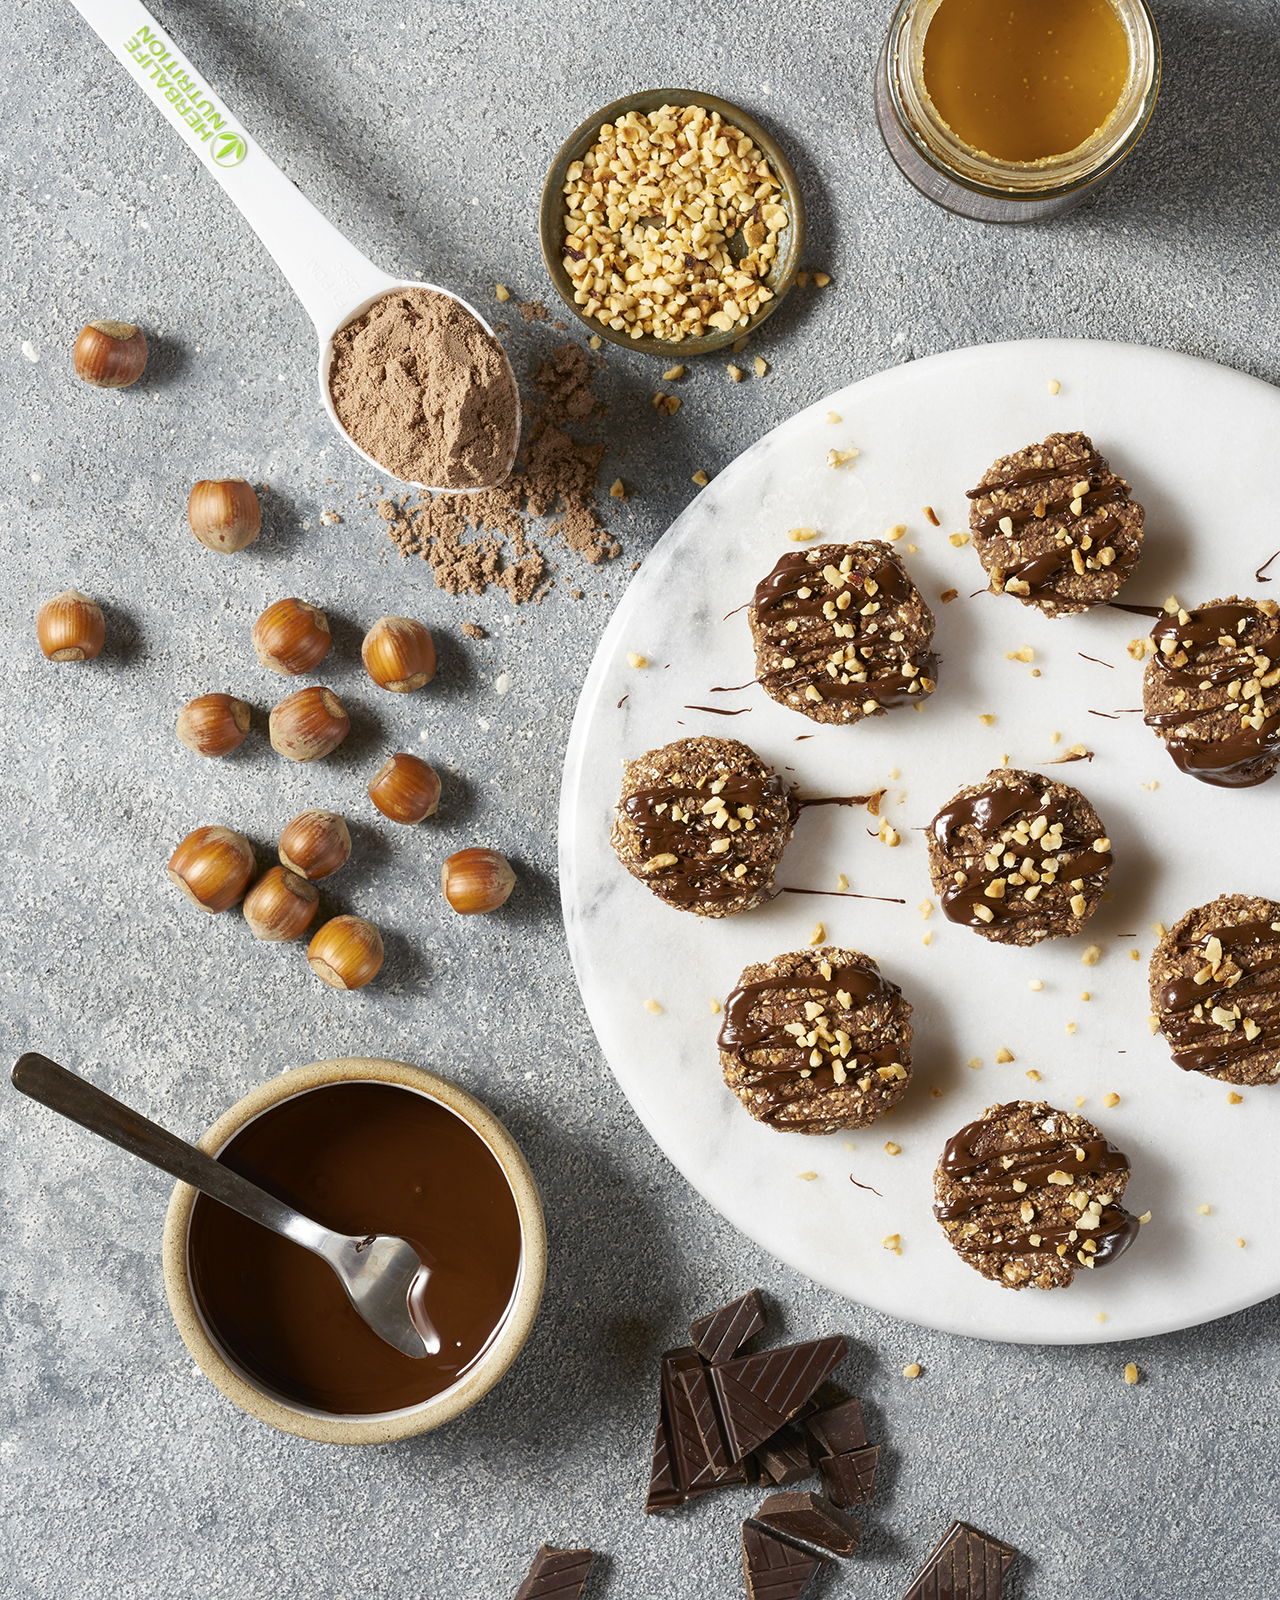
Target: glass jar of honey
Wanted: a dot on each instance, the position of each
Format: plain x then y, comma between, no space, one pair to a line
1013,110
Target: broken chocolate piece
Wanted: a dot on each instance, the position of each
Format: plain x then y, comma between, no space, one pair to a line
757,1394
557,1574
812,1518
774,1569
722,1334
785,1457
695,1473
963,1565
838,1429
696,1386
664,1490
850,1478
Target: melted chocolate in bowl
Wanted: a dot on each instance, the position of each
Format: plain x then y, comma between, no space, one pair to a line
359,1158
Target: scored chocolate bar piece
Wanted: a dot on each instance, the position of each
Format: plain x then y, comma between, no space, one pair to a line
773,1568
557,1574
785,1457
720,1335
850,1478
963,1565
838,1428
695,1383
810,1517
664,1492
695,1473
757,1394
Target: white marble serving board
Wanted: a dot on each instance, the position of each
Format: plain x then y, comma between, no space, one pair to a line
1199,443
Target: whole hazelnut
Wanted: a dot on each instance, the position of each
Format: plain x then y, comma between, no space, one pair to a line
212,867
399,654
281,906
346,953
214,724
292,637
315,844
476,881
109,354
308,725
71,627
224,513
405,789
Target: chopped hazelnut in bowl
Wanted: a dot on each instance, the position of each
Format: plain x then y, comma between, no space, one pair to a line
671,221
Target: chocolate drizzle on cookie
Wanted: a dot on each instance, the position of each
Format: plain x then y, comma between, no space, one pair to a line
1026,1181
841,632
686,834
1054,526
1216,990
1213,690
816,1040
1006,851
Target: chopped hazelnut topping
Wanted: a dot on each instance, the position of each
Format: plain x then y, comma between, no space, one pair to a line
1110,1100
654,1007
1003,1055
913,1369
634,660
892,1149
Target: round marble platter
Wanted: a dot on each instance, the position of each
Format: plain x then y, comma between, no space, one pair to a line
1199,445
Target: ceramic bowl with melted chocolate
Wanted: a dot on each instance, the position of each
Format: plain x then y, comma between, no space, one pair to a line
360,1146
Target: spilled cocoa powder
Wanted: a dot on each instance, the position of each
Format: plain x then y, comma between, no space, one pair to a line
423,389
475,542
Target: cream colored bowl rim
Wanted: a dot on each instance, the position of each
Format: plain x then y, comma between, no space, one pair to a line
491,1365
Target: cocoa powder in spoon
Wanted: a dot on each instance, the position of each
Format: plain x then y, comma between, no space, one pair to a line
423,389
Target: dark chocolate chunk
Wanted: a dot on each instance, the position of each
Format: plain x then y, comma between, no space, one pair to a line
850,1478
664,1490
557,1575
701,1401
774,1569
838,1428
785,1458
812,1518
695,1472
963,1565
722,1334
757,1394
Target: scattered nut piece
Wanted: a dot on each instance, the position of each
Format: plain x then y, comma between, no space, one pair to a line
1234,1099
958,539
1205,1211
638,661
834,416
673,375
760,366
617,490
1003,1055
1033,1075
501,292
931,515
821,279
892,1149
892,1241
1131,1373
1092,956
818,935
1054,386
1035,984
700,478
842,458
913,1369
736,374
715,1007
801,535
654,1007
806,1177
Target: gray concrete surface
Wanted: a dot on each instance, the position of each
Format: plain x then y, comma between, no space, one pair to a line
423,132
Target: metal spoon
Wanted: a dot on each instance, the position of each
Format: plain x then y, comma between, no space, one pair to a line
378,1271
333,280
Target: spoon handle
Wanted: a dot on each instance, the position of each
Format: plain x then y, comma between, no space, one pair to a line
328,274
83,1102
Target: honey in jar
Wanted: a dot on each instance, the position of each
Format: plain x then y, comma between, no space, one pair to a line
1025,80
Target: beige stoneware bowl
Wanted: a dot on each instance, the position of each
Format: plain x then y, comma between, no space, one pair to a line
326,1427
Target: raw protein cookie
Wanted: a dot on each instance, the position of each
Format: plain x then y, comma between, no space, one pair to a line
842,633
1053,525
1212,690
1215,989
703,823
1019,858
816,1040
1029,1195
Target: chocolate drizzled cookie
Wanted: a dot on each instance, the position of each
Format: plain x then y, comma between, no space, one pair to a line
703,823
1215,989
1212,690
1029,1195
816,1040
1053,525
1019,858
842,633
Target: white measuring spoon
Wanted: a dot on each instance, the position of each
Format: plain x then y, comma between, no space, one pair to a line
333,280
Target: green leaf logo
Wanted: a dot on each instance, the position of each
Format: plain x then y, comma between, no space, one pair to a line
229,149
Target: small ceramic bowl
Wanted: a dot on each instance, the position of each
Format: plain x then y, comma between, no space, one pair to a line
551,218
326,1427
